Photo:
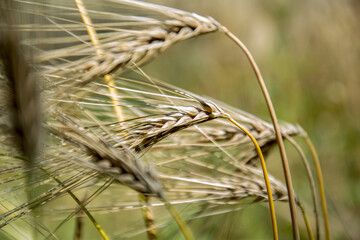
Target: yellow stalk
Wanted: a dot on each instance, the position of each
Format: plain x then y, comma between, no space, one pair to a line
95,41
113,93
266,177
321,185
274,119
148,217
311,179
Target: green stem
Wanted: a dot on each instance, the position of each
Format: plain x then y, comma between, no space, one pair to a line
311,236
182,225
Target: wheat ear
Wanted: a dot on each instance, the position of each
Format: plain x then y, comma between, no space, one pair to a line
152,130
121,165
212,112
118,49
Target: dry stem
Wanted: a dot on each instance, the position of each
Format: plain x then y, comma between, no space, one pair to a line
277,131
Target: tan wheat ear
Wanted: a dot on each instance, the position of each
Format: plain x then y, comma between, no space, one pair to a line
120,44
241,194
214,111
231,138
121,165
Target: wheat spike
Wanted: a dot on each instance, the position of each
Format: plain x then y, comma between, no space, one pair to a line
123,40
121,165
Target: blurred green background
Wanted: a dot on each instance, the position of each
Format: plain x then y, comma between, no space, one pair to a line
309,55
